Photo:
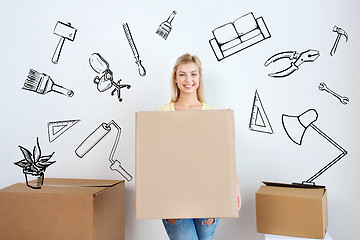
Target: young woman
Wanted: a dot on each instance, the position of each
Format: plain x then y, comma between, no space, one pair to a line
187,86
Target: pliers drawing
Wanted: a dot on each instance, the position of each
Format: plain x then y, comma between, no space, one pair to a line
299,58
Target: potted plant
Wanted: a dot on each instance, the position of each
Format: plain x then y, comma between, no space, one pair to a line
34,165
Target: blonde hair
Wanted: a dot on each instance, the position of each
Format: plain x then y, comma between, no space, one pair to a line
187,58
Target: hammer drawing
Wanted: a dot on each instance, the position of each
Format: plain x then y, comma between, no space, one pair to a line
65,31
340,32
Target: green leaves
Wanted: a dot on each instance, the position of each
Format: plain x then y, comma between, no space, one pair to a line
34,163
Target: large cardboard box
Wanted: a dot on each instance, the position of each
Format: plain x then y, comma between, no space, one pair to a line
64,209
185,164
292,211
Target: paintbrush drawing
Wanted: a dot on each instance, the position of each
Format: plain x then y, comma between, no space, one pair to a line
42,84
165,27
135,52
65,31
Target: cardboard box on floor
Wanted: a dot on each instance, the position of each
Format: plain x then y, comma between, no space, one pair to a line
64,209
185,164
292,211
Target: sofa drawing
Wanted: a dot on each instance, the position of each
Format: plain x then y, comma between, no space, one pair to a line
235,36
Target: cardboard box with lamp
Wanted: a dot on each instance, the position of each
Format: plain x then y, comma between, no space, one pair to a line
298,209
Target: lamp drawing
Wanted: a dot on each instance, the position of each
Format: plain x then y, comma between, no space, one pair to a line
95,137
296,126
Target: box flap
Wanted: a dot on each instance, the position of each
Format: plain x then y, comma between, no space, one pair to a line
65,186
68,182
292,192
294,185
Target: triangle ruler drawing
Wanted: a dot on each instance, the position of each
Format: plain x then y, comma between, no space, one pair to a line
57,128
259,121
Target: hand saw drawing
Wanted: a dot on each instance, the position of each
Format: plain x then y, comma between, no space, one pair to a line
57,128
296,59
259,121
238,35
42,84
134,50
34,165
105,79
65,32
95,137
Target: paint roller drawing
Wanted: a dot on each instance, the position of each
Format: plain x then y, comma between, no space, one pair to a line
95,137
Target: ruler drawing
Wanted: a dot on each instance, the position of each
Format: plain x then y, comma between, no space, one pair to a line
259,121
57,128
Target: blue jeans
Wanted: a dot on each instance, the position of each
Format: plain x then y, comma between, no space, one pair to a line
190,229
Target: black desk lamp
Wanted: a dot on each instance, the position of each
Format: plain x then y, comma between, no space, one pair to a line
296,126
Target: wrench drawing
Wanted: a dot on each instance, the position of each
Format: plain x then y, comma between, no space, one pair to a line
323,87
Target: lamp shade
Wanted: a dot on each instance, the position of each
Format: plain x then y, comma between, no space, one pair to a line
295,126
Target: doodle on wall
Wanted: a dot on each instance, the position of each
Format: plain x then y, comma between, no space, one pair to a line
106,80
340,32
95,137
258,120
323,87
296,60
295,128
65,31
57,128
165,27
236,36
34,164
42,84
134,50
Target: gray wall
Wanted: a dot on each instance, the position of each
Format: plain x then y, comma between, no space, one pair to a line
28,42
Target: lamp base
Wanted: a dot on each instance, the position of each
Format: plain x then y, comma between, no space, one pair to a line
305,184
293,185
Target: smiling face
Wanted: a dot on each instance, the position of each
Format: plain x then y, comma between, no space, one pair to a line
187,78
